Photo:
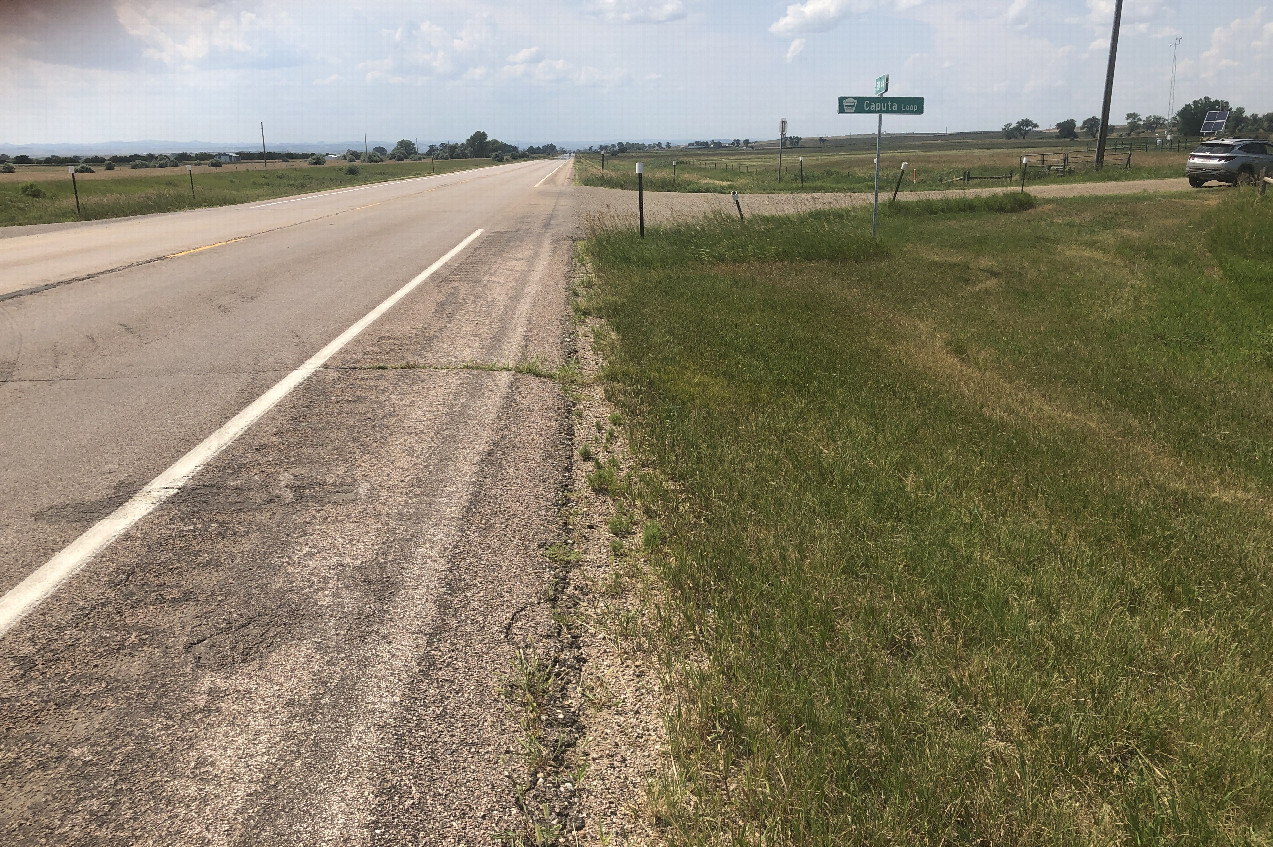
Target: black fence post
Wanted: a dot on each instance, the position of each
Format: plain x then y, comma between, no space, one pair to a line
901,173
641,195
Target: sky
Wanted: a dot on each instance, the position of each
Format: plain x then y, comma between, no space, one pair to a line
583,72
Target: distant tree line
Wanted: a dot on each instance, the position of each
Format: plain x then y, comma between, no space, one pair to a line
478,146
1187,122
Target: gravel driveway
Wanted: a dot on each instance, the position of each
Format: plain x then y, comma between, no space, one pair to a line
615,207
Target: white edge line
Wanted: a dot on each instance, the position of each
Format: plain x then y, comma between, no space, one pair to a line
554,170
26,595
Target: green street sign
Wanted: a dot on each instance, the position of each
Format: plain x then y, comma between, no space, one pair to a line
881,85
881,105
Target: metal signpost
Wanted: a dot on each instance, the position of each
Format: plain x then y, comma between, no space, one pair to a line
880,106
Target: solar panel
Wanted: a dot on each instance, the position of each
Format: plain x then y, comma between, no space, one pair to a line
1214,124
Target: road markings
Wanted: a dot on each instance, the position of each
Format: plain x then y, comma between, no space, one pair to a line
201,249
554,170
29,593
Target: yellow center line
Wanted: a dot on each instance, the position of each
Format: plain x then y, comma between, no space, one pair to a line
198,249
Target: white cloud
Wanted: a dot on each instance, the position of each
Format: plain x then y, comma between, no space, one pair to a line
639,11
417,53
1143,17
794,50
190,36
1242,43
530,54
816,15
556,71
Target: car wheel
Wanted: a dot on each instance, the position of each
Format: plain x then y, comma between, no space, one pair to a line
1246,176
1196,182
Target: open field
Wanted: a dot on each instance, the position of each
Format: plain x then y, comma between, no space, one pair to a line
123,191
26,173
966,532
931,166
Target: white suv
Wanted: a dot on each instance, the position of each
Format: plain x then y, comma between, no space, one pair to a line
1237,161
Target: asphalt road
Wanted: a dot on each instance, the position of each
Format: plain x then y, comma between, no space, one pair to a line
304,645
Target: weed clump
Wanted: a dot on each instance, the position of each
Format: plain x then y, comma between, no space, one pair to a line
31,189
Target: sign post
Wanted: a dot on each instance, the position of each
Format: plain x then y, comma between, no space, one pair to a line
880,106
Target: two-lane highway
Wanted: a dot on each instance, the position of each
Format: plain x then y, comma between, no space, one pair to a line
302,645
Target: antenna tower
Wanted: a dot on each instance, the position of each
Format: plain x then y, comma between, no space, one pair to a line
1171,97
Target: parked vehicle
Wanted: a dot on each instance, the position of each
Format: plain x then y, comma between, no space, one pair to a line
1237,161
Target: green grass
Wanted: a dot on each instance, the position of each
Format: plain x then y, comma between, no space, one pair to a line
109,196
966,534
846,171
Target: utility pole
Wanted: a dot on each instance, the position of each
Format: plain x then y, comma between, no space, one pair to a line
265,159
1109,85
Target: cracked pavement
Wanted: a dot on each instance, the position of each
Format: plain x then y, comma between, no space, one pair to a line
305,645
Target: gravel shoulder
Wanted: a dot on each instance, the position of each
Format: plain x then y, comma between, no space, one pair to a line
616,207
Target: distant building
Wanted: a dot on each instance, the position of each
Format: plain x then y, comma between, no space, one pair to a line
229,158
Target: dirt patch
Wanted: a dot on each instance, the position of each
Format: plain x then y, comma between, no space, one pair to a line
625,748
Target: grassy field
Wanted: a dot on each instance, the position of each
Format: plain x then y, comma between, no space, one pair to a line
122,192
967,532
929,168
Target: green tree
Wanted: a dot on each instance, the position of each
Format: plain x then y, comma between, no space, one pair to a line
1240,123
403,150
477,144
1021,129
1153,123
381,150
1092,126
1133,122
1190,117
1066,129
352,155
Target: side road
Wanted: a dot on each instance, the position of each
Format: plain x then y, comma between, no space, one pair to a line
616,207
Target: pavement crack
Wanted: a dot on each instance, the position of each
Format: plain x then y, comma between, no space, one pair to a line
533,368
